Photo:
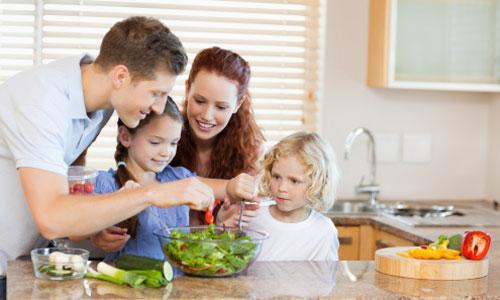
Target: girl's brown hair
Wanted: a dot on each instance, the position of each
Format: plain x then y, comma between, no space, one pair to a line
237,147
122,174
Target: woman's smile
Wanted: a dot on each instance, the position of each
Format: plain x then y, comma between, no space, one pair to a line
203,126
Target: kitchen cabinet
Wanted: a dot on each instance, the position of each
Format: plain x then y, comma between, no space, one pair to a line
349,242
360,242
385,239
435,44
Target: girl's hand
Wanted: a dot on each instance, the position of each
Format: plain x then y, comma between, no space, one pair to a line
130,184
242,187
111,239
229,214
189,191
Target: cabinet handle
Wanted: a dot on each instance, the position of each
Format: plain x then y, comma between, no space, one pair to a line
379,244
345,240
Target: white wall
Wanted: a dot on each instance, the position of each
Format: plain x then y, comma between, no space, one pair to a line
457,121
493,183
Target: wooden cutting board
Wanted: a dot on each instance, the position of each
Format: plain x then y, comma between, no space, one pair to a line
388,262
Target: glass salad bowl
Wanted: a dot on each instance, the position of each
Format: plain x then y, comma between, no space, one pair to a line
59,263
211,251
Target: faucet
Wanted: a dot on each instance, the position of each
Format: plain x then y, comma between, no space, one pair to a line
372,189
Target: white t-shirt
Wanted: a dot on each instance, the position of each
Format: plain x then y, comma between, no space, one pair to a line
315,238
44,125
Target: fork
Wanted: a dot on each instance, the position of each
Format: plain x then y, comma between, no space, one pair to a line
160,220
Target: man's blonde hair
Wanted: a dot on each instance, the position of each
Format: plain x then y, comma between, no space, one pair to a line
317,157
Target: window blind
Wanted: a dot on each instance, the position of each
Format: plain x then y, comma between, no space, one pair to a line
280,39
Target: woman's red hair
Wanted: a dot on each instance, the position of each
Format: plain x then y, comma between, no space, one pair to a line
237,147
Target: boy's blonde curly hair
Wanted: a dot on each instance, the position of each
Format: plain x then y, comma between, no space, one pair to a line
318,158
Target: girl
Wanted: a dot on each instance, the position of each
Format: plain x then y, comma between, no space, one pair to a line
300,175
143,155
220,138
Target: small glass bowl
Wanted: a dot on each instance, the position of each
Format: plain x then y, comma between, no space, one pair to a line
59,263
81,180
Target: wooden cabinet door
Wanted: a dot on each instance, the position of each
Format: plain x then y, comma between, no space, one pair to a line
384,239
349,242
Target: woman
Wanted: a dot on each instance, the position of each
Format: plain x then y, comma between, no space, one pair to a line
220,138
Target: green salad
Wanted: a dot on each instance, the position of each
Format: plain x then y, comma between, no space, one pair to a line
208,253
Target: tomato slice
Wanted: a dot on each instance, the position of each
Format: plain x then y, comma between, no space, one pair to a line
476,244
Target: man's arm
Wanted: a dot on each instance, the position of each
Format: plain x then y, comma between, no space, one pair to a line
58,214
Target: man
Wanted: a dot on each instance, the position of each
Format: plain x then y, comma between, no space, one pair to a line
52,113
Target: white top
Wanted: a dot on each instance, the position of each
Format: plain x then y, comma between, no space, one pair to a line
315,238
44,125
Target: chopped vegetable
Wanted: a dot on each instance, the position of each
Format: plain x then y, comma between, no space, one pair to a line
432,252
439,249
208,253
455,242
122,276
63,265
135,262
132,278
209,214
475,245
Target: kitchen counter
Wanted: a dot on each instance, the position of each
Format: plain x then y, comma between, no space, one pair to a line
344,279
418,235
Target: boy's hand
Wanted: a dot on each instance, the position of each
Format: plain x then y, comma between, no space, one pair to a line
229,214
111,239
189,191
242,187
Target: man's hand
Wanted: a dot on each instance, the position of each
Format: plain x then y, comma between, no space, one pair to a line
111,239
189,191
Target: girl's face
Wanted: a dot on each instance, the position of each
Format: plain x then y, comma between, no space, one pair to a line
211,101
154,145
289,184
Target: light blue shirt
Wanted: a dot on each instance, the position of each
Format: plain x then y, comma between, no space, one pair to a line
146,242
43,125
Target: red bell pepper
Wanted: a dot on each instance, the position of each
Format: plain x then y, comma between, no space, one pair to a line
476,244
209,216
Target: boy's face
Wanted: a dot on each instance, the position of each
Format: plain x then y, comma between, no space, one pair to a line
211,101
153,146
135,100
289,184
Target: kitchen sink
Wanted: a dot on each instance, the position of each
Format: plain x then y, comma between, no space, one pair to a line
352,207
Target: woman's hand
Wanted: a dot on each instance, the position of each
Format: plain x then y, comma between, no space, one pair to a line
229,214
242,187
111,239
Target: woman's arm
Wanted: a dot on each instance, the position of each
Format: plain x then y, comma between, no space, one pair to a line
241,187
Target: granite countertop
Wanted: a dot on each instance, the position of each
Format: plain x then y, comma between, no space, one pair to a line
418,235
343,279
302,279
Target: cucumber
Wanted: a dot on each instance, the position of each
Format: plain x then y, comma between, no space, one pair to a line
135,262
168,272
60,273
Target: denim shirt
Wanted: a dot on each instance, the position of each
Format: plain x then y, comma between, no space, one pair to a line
146,242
